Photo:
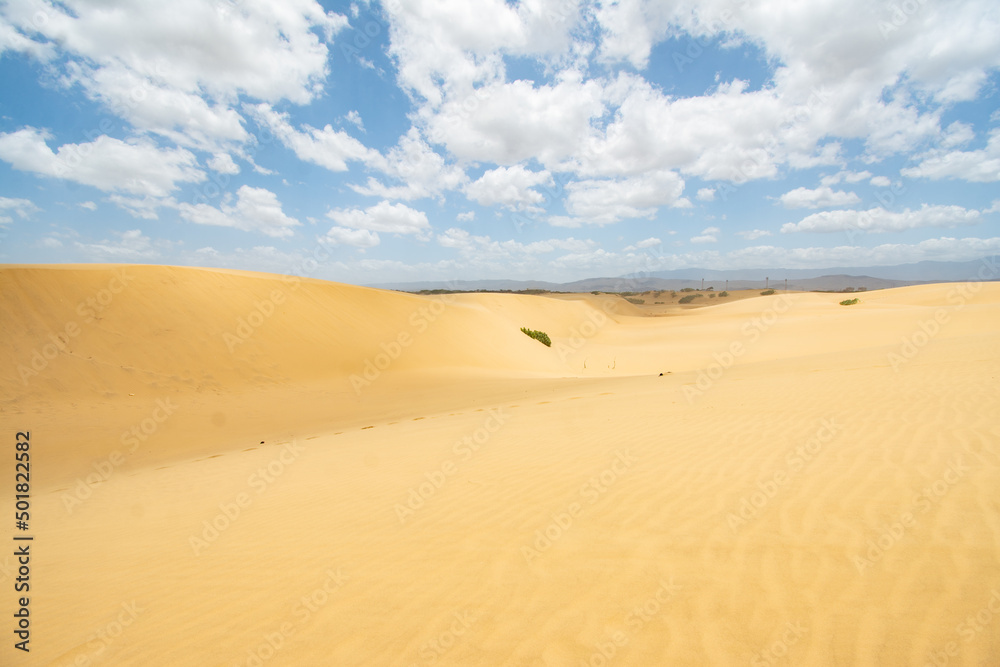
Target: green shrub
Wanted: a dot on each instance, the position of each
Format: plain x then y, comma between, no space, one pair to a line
712,295
595,292
673,294
767,292
689,298
723,293
634,300
659,303
687,289
540,336
849,302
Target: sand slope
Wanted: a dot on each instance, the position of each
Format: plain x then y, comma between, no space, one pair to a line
807,483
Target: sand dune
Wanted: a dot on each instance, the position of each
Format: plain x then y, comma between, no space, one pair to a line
806,483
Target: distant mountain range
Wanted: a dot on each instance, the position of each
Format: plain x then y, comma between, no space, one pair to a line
835,278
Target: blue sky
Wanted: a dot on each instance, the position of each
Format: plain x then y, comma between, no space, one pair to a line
542,139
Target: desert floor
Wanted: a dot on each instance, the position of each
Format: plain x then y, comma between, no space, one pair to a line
231,468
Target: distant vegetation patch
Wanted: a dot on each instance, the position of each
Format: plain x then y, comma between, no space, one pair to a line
767,292
631,299
712,295
849,302
540,336
687,289
723,293
689,298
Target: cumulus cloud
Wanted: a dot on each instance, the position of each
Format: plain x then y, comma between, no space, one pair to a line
423,172
979,166
753,234
328,148
384,217
360,238
112,165
255,210
708,235
510,187
602,202
880,220
706,194
175,68
821,197
223,164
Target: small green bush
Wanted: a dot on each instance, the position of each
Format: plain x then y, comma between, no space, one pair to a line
596,292
687,289
849,302
540,336
673,294
712,295
634,300
689,298
723,293
767,292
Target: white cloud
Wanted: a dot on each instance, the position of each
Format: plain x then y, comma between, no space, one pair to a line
466,216
753,234
602,202
174,68
89,205
360,238
877,220
255,210
979,166
328,148
706,194
510,187
354,118
112,165
421,169
130,245
651,242
821,197
509,123
708,235
223,164
141,207
845,177
880,181
383,217
22,208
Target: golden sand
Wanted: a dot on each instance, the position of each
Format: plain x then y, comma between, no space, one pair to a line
232,468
